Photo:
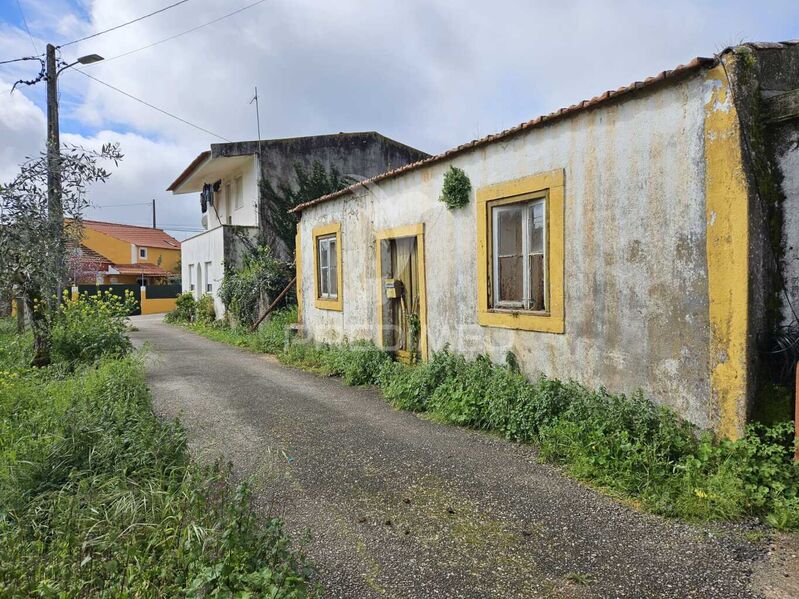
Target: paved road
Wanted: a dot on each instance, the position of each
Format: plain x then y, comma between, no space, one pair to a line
399,506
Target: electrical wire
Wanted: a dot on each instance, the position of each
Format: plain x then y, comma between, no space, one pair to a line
177,35
161,110
25,22
136,20
123,205
20,59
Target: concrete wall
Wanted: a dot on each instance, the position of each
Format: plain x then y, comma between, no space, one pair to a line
636,297
216,246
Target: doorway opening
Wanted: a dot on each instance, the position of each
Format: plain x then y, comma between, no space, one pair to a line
402,292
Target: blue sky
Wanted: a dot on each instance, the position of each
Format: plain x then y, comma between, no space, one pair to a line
432,73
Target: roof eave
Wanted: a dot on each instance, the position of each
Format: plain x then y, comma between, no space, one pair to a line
195,164
679,72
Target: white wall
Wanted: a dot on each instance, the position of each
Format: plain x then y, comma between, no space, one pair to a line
635,251
205,247
247,215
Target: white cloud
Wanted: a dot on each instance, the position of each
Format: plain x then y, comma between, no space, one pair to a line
430,73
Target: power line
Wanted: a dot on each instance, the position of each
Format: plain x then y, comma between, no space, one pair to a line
20,59
161,110
25,22
122,205
160,10
177,35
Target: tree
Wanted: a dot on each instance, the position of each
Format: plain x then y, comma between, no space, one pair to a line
32,246
276,203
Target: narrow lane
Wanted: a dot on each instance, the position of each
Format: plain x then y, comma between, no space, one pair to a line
398,506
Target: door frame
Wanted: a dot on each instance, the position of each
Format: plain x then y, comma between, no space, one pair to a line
416,231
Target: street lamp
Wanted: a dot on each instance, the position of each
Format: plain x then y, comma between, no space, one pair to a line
55,207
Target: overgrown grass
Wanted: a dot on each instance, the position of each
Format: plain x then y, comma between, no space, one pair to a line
270,337
99,498
624,444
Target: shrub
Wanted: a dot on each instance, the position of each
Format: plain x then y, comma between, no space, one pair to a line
185,307
361,363
204,311
91,326
260,275
410,388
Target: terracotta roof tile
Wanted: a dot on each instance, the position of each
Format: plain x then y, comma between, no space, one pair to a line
682,70
141,236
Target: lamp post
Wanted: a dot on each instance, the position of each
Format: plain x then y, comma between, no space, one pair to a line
55,208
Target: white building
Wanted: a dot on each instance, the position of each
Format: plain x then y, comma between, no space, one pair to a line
235,210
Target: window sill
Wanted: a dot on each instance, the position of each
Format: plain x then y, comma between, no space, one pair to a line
329,304
521,320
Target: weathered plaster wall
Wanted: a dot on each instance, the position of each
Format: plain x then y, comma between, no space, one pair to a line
636,297
786,142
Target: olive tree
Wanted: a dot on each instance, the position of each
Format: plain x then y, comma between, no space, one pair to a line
33,256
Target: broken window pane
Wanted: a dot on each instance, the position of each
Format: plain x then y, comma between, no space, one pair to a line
537,228
323,253
511,279
537,293
510,230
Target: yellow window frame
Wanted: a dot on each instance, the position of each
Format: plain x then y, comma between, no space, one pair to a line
323,303
550,186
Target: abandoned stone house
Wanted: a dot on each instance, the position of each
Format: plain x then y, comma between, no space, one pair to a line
234,206
626,242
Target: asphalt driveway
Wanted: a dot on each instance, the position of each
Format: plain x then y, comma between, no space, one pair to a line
398,506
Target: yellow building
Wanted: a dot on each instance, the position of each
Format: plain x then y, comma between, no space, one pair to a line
130,254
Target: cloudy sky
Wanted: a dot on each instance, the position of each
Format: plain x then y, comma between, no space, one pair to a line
430,73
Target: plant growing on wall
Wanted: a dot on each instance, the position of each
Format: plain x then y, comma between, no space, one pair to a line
261,276
311,184
456,188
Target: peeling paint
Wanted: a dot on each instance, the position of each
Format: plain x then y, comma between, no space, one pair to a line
727,206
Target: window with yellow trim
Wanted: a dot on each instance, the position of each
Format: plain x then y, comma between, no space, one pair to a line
520,235
327,267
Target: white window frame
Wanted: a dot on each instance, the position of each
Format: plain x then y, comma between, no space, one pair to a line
191,277
208,284
324,274
143,253
528,208
239,190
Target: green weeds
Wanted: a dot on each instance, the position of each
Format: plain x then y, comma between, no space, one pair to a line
99,498
624,444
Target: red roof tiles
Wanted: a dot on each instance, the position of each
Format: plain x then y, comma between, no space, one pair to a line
140,236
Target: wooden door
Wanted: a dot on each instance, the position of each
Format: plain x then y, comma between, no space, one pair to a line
405,308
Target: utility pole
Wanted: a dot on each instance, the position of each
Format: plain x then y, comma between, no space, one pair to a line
55,208
260,163
154,214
